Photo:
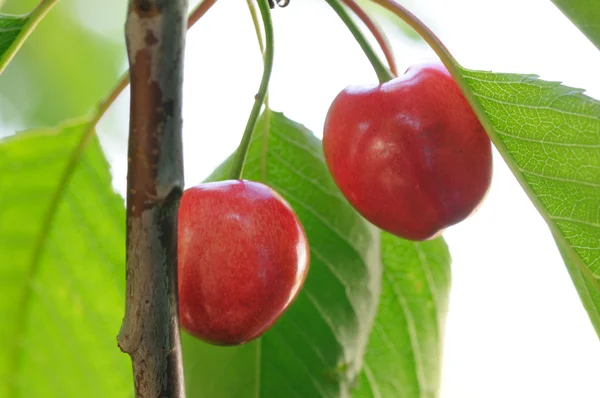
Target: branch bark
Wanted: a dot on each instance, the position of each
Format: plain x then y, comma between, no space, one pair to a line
155,35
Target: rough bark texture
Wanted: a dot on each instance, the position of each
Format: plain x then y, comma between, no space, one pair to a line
155,34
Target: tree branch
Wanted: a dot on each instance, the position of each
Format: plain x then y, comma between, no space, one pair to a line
155,35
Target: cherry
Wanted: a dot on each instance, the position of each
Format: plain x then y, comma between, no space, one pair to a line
409,154
243,257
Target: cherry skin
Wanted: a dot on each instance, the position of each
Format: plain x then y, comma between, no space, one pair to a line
409,154
242,258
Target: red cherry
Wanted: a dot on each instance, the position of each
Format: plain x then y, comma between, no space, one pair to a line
410,155
243,257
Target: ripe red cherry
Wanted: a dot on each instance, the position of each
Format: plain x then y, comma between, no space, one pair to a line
243,257
410,155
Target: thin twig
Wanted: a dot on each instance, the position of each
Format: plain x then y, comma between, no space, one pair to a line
199,11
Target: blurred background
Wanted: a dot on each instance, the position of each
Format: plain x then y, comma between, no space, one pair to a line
516,327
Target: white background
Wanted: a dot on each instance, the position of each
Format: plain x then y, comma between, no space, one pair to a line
516,327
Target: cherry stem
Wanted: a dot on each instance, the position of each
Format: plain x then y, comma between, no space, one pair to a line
422,30
455,70
256,24
240,156
376,31
267,111
383,73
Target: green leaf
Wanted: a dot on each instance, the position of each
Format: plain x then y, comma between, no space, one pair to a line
585,14
317,347
549,135
61,277
14,29
404,354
